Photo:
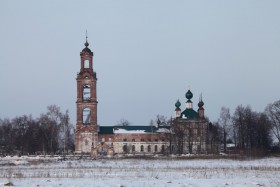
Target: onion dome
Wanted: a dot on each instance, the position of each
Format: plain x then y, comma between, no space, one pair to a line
86,49
200,104
189,95
86,44
177,104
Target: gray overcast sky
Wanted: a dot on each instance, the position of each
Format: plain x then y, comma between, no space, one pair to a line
147,53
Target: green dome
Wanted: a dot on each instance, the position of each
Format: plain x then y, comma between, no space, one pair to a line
189,95
177,104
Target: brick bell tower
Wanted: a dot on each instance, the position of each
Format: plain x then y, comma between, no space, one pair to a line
86,131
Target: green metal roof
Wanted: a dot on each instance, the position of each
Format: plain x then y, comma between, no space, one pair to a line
105,130
189,113
147,129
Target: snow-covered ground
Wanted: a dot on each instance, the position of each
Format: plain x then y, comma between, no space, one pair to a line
36,171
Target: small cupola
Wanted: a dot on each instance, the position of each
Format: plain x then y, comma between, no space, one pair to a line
86,49
200,107
177,110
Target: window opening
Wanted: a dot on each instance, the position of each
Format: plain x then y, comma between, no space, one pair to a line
86,92
86,64
156,148
162,148
125,148
86,116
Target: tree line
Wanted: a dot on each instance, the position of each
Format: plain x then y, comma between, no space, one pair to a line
51,133
249,131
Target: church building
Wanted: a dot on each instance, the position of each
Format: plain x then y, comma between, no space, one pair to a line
189,128
186,133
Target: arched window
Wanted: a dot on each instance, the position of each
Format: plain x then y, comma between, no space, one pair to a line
133,148
149,148
142,148
162,149
86,64
86,116
156,148
86,142
125,149
86,92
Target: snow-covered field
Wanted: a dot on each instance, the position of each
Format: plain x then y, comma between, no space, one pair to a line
36,171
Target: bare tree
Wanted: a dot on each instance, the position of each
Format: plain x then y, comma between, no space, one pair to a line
164,121
48,133
239,124
214,137
123,122
225,122
263,132
66,129
21,125
50,123
252,130
7,135
273,112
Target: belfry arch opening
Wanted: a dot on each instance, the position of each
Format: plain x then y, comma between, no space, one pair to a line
86,116
86,63
86,92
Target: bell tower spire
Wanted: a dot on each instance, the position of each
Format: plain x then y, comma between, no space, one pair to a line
86,125
86,44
